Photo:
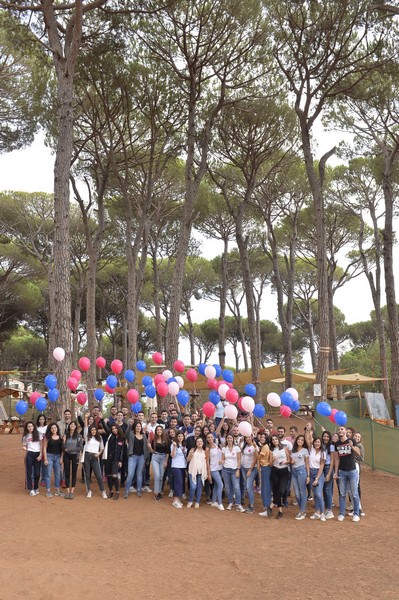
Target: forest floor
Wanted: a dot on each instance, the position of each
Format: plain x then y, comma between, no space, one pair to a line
96,548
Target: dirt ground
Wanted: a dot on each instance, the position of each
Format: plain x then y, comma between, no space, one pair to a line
96,548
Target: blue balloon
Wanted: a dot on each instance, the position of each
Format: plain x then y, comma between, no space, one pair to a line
111,381
228,376
259,411
218,370
296,405
183,397
140,365
99,394
214,397
41,404
340,417
150,391
250,389
129,376
324,409
147,380
51,381
53,395
21,407
171,379
201,368
136,407
287,399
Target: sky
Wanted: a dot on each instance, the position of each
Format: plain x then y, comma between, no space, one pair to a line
31,170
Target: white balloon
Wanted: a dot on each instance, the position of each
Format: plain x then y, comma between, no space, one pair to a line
222,390
173,388
245,428
293,392
210,372
230,411
179,380
59,354
273,399
167,374
248,404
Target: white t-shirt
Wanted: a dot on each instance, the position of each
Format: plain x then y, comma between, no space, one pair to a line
94,446
215,456
299,457
219,410
286,443
30,444
179,461
42,430
230,457
315,458
247,457
280,458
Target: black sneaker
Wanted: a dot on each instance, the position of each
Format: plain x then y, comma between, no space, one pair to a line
279,515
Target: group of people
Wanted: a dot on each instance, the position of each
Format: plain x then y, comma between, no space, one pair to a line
191,456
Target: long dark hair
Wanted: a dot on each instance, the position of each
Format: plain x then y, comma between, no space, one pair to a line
295,445
37,420
96,436
48,431
326,447
120,435
35,433
156,437
68,434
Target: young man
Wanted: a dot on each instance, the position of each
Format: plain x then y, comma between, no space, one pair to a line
187,428
151,425
64,423
163,419
345,472
112,418
293,434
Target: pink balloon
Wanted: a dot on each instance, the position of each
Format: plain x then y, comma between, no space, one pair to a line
293,392
248,404
84,363
167,374
239,403
245,428
285,411
232,395
180,381
178,366
72,383
333,413
230,411
222,390
208,409
229,385
81,398
212,384
34,396
101,362
110,390
210,372
132,395
116,366
192,375
76,374
273,399
157,358
162,388
59,354
158,378
173,388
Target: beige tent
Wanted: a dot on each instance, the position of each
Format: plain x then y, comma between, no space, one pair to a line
332,379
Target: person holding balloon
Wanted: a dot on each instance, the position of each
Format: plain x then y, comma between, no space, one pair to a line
231,462
32,445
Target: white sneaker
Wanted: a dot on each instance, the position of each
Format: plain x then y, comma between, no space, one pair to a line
240,508
196,505
300,517
329,514
351,513
230,506
146,488
104,495
36,492
132,489
88,495
32,493
184,496
355,518
220,507
315,516
341,517
362,514
170,495
189,504
177,504
263,514
322,518
215,504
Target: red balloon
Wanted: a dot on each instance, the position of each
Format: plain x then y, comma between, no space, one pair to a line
76,374
230,385
213,384
209,409
158,378
101,362
232,395
72,383
285,411
116,366
178,366
239,403
81,398
157,358
132,395
34,396
333,413
84,363
110,390
192,375
162,389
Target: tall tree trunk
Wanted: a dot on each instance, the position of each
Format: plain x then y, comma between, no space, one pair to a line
222,306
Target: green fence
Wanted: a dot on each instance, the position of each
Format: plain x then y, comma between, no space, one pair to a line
380,442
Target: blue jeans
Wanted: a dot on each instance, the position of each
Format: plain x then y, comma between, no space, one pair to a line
318,490
53,463
179,474
299,475
195,488
217,486
328,488
249,483
266,486
135,463
348,479
158,461
232,485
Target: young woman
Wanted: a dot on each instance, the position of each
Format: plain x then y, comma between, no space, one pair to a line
359,458
231,461
73,446
41,424
32,445
222,431
214,462
197,472
300,474
160,454
178,453
249,471
317,459
52,456
279,474
138,452
265,461
168,474
113,458
329,450
93,450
